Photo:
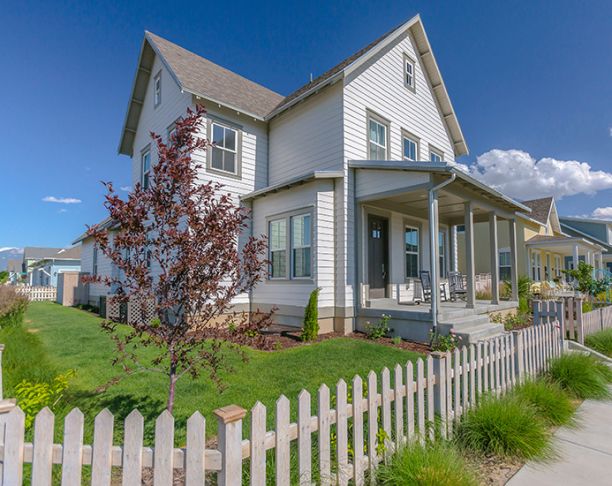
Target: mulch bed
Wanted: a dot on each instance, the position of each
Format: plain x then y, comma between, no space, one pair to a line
527,324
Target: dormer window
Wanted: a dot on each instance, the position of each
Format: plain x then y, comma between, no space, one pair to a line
157,89
409,73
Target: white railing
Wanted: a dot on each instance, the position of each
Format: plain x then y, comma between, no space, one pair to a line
37,293
409,399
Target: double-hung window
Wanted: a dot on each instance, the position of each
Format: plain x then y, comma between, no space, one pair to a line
377,140
442,251
410,149
94,269
224,152
145,166
505,265
412,252
409,72
300,246
435,156
278,248
157,89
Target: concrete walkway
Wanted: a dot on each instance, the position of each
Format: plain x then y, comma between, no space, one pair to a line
585,452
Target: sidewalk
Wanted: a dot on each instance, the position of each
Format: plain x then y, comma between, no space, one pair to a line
585,452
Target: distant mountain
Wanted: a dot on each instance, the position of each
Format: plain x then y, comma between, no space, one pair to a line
7,254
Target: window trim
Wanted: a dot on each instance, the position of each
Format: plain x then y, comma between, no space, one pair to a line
408,59
499,252
287,217
418,227
292,259
94,269
157,94
143,152
232,126
438,152
382,121
416,140
270,250
443,232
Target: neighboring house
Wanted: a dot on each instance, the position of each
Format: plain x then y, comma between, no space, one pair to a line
597,231
44,272
544,248
94,262
15,270
342,177
31,255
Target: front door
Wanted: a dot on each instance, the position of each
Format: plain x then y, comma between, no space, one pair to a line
378,256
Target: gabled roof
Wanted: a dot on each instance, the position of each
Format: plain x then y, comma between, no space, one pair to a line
38,252
107,223
570,229
540,209
73,253
197,76
415,26
563,240
14,266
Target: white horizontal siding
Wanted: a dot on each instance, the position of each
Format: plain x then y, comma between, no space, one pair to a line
369,182
104,268
307,137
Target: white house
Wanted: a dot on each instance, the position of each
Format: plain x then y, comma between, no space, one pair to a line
343,176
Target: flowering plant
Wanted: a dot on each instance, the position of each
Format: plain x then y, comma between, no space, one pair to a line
444,343
378,330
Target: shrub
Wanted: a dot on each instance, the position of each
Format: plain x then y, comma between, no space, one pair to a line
549,399
506,427
523,307
601,342
12,306
310,331
397,340
524,286
378,330
485,293
444,343
437,464
581,375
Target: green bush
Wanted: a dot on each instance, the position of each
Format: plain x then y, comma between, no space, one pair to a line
581,375
508,427
310,331
376,331
523,307
549,399
524,286
12,306
437,464
601,342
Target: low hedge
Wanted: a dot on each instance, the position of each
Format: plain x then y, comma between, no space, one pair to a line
12,306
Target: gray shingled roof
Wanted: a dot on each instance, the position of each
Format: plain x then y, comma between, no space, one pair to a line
38,252
15,266
540,209
212,81
73,253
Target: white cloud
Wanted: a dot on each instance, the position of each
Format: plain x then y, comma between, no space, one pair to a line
518,175
599,213
63,200
18,250
126,188
63,210
611,132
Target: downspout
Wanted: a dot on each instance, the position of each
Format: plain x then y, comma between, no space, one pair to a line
433,223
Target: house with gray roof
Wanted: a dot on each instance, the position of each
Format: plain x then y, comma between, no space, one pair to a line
351,178
31,255
44,271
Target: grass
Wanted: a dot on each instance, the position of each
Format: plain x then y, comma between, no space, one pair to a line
57,338
601,342
508,427
581,375
437,464
552,403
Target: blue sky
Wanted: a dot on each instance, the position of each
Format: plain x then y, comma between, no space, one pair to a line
530,82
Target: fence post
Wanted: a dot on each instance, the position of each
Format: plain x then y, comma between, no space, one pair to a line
536,312
520,358
561,319
230,444
439,370
579,323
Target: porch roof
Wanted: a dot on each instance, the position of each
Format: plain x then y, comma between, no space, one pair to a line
562,244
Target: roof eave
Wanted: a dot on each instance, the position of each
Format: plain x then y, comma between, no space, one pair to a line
310,176
223,103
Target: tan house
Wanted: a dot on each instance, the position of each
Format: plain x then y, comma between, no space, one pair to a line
543,249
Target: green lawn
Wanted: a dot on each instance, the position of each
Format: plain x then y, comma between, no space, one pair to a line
60,338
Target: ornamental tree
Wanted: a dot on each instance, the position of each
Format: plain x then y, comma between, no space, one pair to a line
182,245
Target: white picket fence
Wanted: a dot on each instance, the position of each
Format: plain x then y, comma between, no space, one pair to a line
37,293
444,385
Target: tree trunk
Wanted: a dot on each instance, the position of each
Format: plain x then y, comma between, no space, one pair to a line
172,382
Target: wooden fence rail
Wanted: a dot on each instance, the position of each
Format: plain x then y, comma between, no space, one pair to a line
37,293
367,421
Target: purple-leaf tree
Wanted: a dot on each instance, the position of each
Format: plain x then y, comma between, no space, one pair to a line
178,247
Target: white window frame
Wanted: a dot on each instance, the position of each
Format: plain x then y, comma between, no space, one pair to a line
157,90
536,256
94,269
558,263
291,219
145,175
384,123
409,74
279,249
415,140
499,254
237,174
435,152
417,253
442,260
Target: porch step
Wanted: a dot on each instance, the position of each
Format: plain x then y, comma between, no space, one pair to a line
471,328
458,324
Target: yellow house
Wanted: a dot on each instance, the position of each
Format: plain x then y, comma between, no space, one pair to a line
543,250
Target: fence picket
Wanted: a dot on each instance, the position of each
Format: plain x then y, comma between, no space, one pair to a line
13,448
164,450
342,432
430,395
409,401
502,362
492,355
283,458
72,460
372,424
195,467
464,378
132,449
485,366
324,436
472,365
102,447
42,459
385,390
420,380
358,475
258,445
398,403
304,438
479,367
457,382
449,392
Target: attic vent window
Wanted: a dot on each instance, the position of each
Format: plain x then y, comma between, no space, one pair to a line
409,80
157,88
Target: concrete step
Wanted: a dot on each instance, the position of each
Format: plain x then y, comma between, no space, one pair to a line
483,331
462,323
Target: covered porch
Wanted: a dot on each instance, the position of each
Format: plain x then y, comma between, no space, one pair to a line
407,219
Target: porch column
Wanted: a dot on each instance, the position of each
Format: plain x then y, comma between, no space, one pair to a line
470,269
576,257
434,254
513,260
494,258
453,252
